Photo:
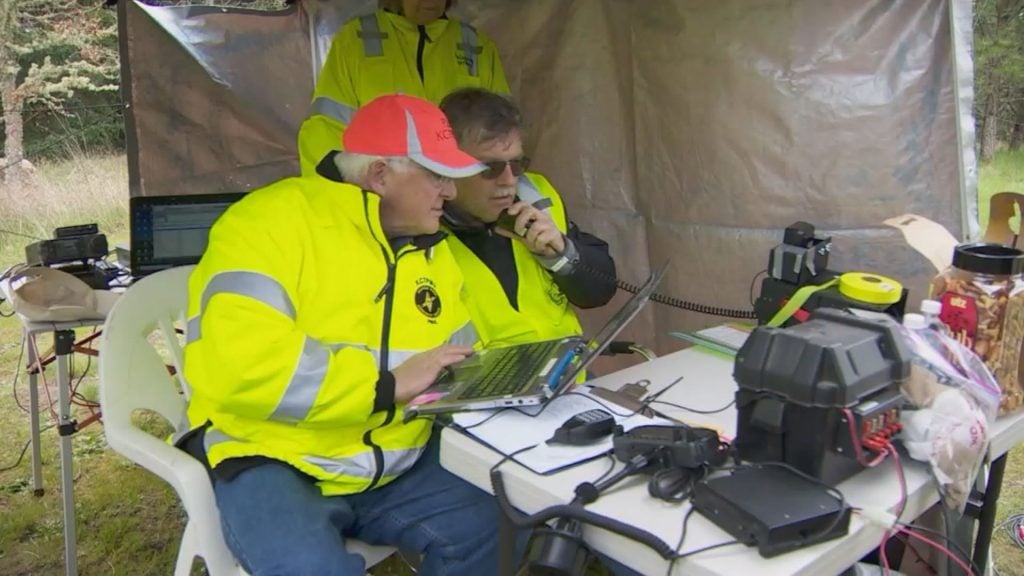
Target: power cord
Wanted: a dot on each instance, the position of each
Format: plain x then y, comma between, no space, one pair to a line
24,449
1014,526
682,539
888,521
17,374
694,410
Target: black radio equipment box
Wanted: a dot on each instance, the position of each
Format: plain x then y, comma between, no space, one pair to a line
66,249
801,261
812,394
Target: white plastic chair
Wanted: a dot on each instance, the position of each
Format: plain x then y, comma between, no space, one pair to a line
133,376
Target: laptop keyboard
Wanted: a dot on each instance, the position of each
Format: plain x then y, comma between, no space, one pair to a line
514,367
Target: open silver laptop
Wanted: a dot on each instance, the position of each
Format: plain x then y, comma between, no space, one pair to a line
525,374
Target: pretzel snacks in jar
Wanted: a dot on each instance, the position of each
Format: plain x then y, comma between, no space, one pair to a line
982,296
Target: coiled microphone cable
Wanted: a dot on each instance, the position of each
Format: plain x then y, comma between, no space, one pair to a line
669,300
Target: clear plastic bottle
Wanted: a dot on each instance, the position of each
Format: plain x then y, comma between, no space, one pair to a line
914,321
931,310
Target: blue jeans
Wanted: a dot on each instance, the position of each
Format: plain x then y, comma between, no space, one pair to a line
276,522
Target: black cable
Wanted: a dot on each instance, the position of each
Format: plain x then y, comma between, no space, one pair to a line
950,543
13,233
690,479
510,456
17,373
75,394
919,559
24,449
669,300
707,548
694,410
599,403
576,512
682,538
690,306
611,467
1014,526
752,282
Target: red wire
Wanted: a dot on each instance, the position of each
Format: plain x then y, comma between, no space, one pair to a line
856,443
938,547
891,450
901,476
42,376
917,555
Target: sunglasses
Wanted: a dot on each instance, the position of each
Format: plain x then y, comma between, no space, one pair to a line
496,168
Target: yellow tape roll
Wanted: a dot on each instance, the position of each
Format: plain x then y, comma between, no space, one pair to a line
870,288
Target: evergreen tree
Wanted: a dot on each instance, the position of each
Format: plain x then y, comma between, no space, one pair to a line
51,50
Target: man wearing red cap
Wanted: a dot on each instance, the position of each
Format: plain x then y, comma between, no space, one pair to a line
318,309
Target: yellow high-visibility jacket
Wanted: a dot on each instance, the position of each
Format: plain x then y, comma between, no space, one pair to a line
544,312
297,312
384,53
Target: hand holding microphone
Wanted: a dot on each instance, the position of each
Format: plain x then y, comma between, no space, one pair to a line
532,227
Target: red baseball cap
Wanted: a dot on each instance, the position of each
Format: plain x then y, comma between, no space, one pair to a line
400,125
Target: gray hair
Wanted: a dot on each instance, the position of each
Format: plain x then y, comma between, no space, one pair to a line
354,167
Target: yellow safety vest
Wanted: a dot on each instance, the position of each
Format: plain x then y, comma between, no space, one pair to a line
544,311
297,306
377,54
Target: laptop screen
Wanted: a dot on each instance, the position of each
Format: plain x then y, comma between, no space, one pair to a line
169,231
611,329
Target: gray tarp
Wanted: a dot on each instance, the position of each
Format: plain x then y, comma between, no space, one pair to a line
681,128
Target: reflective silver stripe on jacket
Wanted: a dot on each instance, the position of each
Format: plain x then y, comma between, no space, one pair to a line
528,192
371,35
363,465
465,336
259,287
311,371
326,106
395,357
181,429
192,330
304,386
470,47
212,437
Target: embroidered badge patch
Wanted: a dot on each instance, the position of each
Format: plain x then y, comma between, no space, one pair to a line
427,300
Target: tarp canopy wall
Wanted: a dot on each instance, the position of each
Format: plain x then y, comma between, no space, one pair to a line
683,128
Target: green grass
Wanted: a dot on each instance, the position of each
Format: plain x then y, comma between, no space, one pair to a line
1005,173
128,521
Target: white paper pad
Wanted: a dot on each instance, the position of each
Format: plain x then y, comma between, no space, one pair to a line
511,430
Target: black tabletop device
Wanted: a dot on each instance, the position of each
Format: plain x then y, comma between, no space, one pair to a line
584,428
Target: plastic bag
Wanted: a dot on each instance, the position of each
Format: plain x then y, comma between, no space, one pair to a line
957,400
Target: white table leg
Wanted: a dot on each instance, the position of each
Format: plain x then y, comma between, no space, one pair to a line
63,341
33,409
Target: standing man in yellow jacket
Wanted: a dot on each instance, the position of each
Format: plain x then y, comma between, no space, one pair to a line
409,47
317,311
522,278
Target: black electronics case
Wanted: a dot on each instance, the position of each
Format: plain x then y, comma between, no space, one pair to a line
798,385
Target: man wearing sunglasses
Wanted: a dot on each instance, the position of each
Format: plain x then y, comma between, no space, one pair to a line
524,262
